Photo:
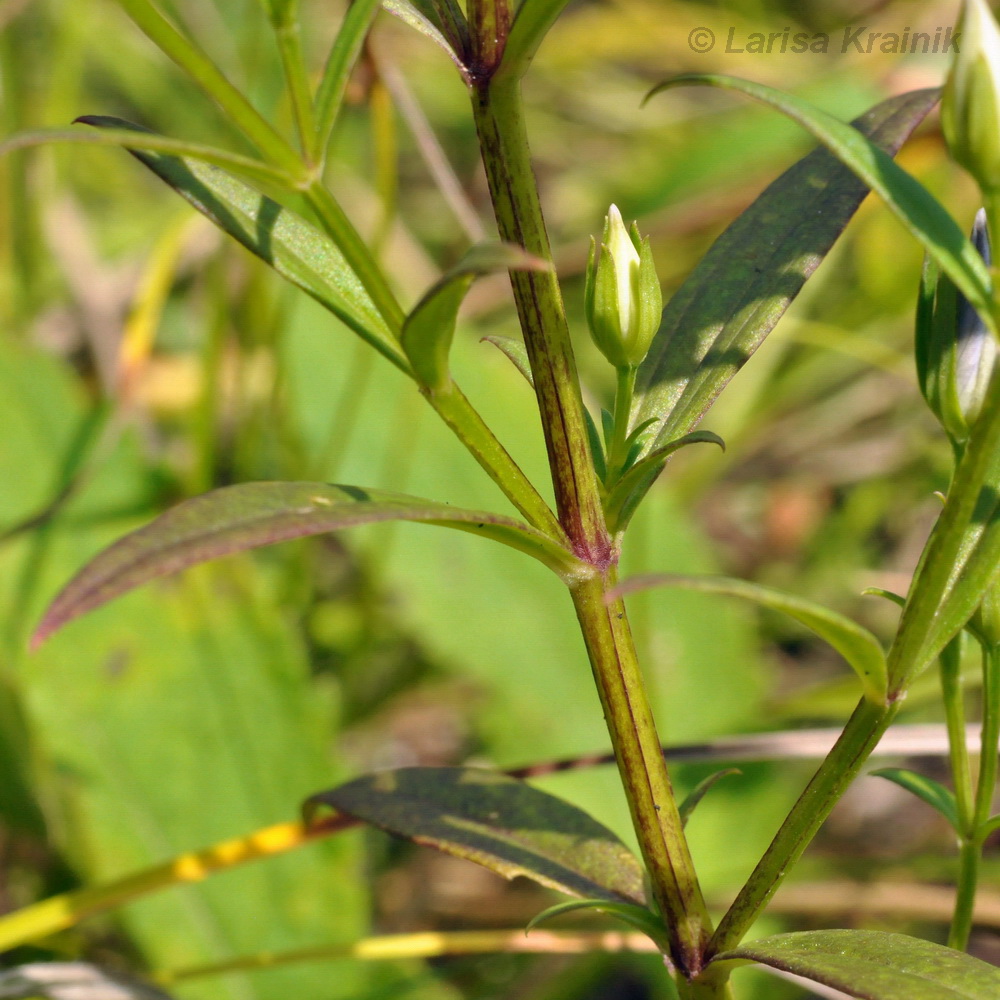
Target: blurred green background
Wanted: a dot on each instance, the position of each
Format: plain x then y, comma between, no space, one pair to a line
145,358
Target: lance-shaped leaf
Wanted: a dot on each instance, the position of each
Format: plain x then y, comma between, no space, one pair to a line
694,797
496,821
429,329
926,789
444,25
856,644
875,965
246,516
746,281
918,210
294,248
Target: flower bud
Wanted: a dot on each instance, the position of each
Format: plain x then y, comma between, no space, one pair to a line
970,107
623,300
955,350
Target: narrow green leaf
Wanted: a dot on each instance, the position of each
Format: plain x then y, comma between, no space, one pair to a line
429,329
918,210
875,965
639,917
133,138
743,285
691,800
516,353
896,599
531,24
496,821
250,515
294,248
343,55
990,826
856,644
628,492
926,789
420,20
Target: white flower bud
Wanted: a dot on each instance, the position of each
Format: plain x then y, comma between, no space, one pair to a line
970,107
623,299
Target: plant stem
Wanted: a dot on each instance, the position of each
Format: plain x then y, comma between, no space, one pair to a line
953,696
643,771
965,897
860,736
623,405
213,81
503,141
971,835
297,84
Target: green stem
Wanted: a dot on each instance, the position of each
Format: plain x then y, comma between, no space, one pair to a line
470,428
986,783
623,406
506,157
341,230
504,144
953,695
643,771
838,770
211,79
965,897
456,411
297,83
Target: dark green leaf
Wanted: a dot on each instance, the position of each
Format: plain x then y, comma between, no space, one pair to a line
874,965
249,515
691,800
744,284
430,327
918,210
927,789
635,916
294,248
496,821
856,644
423,18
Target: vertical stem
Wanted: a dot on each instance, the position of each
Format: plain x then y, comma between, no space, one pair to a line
489,26
991,734
953,695
297,83
643,771
504,144
965,897
503,141
623,406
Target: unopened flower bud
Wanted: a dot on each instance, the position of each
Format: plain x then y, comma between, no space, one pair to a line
623,299
970,107
956,351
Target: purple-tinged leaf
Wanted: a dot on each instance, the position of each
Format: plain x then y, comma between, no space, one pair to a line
875,965
498,822
249,515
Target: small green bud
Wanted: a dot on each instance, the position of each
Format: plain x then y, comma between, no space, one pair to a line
970,106
623,299
955,350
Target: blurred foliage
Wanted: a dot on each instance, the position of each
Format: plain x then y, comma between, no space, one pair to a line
209,706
